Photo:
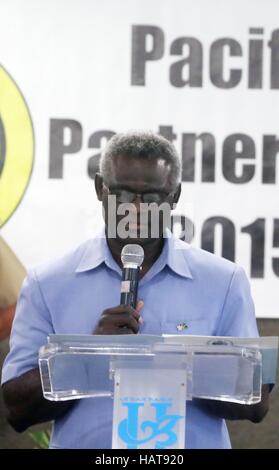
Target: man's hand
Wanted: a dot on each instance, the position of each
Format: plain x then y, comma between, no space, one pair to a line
26,404
232,411
121,320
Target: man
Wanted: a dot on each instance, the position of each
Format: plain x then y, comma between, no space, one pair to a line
80,294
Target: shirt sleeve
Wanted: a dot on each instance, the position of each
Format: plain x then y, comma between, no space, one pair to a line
32,324
238,313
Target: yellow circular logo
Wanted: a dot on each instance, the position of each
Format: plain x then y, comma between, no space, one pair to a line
16,146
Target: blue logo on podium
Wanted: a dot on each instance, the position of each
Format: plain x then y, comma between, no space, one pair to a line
160,429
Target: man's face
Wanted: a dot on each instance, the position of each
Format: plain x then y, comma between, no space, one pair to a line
144,181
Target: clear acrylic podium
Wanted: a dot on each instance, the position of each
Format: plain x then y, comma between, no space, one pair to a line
150,378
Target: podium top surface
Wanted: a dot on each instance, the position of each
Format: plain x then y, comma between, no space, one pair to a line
264,342
124,345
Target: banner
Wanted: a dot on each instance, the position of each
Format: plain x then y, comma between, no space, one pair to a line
205,74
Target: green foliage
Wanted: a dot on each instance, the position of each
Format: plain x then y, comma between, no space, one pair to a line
41,439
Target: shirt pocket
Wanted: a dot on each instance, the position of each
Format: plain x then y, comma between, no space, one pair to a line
197,326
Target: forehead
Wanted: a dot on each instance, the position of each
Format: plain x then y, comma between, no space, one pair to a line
140,172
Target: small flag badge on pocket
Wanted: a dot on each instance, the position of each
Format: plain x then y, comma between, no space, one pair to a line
181,326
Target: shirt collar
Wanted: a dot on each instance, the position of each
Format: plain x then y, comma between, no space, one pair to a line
177,256
94,253
174,255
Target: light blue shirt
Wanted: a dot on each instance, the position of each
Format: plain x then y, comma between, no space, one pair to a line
185,285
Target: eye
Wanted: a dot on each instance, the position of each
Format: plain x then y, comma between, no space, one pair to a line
116,192
124,195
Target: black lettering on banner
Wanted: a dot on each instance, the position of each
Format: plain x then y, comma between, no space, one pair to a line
189,70
141,55
189,143
66,138
238,146
186,227
96,141
270,152
255,72
274,70
228,236
193,63
256,230
217,62
58,147
167,132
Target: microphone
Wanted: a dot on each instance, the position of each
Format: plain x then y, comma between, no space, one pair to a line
132,257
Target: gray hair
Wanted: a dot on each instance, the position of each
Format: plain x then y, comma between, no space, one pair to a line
141,144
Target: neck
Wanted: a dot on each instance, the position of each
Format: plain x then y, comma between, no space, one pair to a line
152,251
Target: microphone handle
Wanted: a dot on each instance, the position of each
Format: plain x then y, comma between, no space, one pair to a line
129,286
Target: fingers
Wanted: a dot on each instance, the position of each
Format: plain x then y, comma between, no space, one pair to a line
139,306
114,323
125,320
122,319
122,309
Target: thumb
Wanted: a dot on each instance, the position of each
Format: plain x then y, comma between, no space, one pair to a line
140,304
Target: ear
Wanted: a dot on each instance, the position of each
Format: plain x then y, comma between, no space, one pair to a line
99,186
177,194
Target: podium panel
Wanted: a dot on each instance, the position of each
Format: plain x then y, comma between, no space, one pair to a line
150,378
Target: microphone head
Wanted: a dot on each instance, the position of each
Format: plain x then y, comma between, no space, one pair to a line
132,256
